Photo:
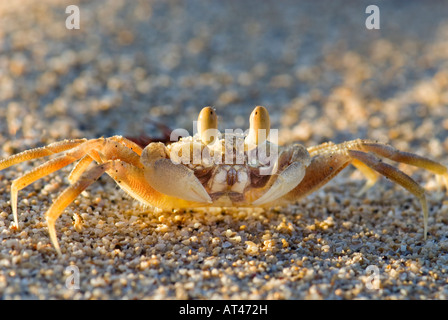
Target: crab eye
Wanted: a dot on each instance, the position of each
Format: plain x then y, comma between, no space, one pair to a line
259,126
207,125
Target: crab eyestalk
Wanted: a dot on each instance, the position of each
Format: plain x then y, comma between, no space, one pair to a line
259,127
208,125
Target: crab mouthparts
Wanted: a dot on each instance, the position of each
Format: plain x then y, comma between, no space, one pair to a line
231,177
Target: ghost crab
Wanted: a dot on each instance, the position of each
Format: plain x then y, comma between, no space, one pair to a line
154,175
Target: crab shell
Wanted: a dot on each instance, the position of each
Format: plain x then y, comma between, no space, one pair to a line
217,181
225,170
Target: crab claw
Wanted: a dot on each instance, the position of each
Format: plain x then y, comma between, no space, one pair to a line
286,181
169,178
290,177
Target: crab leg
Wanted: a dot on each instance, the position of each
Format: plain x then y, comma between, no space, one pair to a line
325,167
314,150
383,150
35,174
398,177
105,147
60,146
391,153
48,168
68,195
370,174
53,148
329,159
128,143
79,168
128,177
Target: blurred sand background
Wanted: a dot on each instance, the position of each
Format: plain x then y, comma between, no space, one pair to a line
322,75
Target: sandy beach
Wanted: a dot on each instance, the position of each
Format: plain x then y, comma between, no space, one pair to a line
322,75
